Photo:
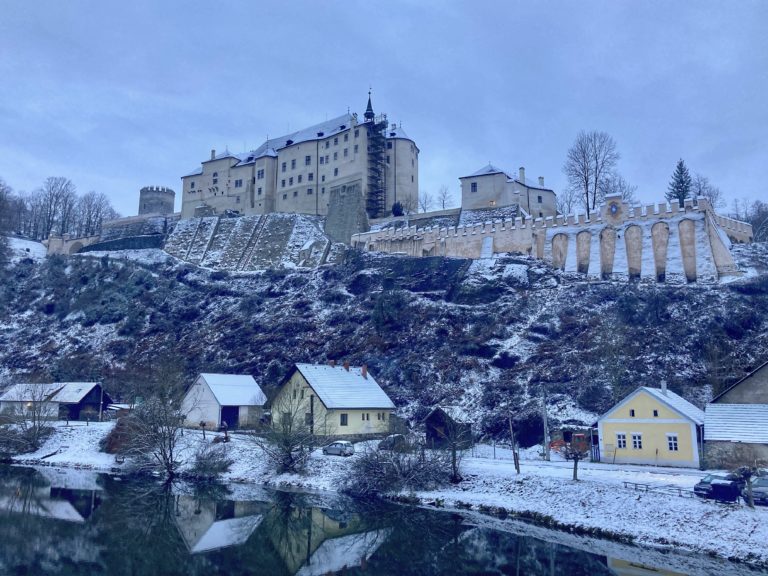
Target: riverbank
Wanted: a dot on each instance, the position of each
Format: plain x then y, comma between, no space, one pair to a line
598,505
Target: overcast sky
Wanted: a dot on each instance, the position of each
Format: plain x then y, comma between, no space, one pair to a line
116,96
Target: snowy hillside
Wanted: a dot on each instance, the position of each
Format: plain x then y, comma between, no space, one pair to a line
21,249
494,336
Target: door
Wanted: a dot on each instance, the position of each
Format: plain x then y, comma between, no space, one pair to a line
230,415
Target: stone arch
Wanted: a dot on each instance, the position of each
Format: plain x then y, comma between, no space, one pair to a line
607,252
660,241
583,248
559,250
633,239
687,231
75,247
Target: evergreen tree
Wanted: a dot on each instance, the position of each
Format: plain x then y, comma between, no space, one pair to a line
681,185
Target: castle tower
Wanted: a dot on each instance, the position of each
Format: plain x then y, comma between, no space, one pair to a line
156,200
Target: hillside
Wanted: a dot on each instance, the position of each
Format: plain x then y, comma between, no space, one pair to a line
493,335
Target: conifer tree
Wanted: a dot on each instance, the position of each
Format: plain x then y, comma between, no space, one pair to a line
681,184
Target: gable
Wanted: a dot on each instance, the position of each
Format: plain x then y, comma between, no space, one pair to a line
644,402
752,389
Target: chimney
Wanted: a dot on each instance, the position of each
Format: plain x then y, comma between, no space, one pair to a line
664,387
346,365
521,175
364,371
332,363
541,181
213,153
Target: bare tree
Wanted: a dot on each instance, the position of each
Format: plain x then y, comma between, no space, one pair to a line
425,201
410,204
615,184
444,197
576,450
590,160
748,474
703,188
28,417
289,440
57,200
93,208
567,200
154,430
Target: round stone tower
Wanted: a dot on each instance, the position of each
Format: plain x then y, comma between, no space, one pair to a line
156,200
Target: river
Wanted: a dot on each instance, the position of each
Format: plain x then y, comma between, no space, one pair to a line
63,521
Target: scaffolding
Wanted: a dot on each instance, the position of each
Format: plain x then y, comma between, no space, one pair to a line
377,168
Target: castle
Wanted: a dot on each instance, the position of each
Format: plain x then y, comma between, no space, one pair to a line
300,171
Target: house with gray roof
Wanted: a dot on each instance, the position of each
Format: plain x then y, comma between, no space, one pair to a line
214,399
492,187
334,400
736,423
57,400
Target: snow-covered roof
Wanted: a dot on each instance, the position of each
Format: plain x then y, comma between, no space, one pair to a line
455,413
397,132
64,392
737,423
677,403
486,170
224,533
672,400
349,551
338,387
195,172
235,389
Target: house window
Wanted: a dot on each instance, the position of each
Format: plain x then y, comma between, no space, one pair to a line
307,160
327,158
293,164
239,183
621,440
346,137
282,183
327,143
335,155
290,181
237,199
356,148
260,174
308,418
322,178
346,152
637,441
632,412
655,413
335,171
295,393
310,177
302,393
389,145
322,160
284,166
378,415
362,415
192,185
383,415
411,178
323,190
357,132
298,179
215,180
343,419
285,196
473,187
295,193
539,199
259,190
672,444
309,191
335,141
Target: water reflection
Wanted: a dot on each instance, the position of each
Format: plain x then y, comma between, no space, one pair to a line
60,523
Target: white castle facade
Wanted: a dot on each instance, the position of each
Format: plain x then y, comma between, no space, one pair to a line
299,171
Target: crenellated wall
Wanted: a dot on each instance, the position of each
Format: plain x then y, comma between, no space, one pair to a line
664,243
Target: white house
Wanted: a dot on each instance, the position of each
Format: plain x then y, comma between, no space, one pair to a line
57,400
217,398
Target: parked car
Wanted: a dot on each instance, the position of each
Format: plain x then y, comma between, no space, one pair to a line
340,448
759,492
724,488
394,442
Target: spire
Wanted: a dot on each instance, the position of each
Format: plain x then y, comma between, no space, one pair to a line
369,115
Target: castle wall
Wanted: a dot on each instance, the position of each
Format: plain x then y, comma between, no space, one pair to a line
656,243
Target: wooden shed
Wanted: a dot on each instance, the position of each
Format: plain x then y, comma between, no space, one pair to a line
448,426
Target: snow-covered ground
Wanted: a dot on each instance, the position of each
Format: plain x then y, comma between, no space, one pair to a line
598,502
148,256
21,249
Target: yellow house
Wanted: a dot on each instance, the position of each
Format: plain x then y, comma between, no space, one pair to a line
333,400
652,426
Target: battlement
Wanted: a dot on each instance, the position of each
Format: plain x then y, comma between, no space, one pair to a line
663,241
157,189
156,199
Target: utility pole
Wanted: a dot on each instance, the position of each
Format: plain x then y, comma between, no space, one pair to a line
515,451
546,426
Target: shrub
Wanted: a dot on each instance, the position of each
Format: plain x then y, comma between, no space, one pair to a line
211,460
